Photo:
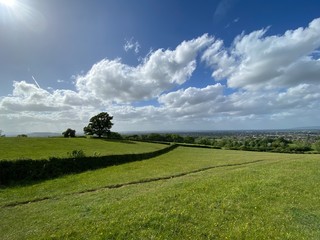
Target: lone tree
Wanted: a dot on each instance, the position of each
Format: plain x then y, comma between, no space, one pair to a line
69,133
99,125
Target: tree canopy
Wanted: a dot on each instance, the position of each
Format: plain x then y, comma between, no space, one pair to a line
99,125
69,133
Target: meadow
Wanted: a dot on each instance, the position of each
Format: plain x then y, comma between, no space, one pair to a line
188,193
13,148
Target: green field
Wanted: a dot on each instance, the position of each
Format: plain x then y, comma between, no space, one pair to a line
43,148
188,193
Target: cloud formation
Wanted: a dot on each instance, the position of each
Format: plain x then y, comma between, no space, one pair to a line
30,98
161,70
131,45
259,80
255,61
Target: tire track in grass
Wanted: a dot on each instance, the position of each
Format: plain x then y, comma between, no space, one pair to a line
119,185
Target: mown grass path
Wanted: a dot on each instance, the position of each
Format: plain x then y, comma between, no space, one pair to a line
180,160
141,181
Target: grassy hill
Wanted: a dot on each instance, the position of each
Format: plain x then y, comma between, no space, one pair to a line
43,148
188,193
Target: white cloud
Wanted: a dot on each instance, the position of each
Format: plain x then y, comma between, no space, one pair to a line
194,103
192,108
274,81
107,82
161,70
30,108
131,45
255,61
304,96
191,96
29,97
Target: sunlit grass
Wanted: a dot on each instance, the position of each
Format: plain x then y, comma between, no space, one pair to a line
277,198
13,148
178,161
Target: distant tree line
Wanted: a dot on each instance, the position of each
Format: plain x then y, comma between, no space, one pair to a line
22,135
156,137
262,144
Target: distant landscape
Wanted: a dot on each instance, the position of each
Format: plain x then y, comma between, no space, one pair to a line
302,139
190,133
161,185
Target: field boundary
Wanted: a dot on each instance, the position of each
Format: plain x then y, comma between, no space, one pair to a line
26,170
119,185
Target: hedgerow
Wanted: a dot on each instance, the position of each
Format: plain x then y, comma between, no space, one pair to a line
26,170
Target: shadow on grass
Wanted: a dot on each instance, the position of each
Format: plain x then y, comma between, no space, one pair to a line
113,140
28,172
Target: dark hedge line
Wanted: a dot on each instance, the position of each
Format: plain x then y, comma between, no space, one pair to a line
295,150
22,171
197,146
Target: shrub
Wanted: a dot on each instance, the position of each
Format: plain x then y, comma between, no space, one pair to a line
76,154
317,146
115,135
22,135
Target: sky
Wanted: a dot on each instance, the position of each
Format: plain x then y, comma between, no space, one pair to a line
159,65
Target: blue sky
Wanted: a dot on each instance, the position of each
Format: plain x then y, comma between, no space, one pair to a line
159,65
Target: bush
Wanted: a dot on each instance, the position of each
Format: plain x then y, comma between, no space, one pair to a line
76,154
22,136
115,135
317,146
300,149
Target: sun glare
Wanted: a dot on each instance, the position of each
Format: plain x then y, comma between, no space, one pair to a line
19,13
8,3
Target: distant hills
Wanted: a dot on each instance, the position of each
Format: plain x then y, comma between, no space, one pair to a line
44,134
54,134
34,134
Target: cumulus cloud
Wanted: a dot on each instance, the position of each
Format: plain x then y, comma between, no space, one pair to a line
304,96
30,108
160,71
191,96
255,61
194,102
107,83
267,82
274,77
29,97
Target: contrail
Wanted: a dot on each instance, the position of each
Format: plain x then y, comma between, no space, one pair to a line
36,81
